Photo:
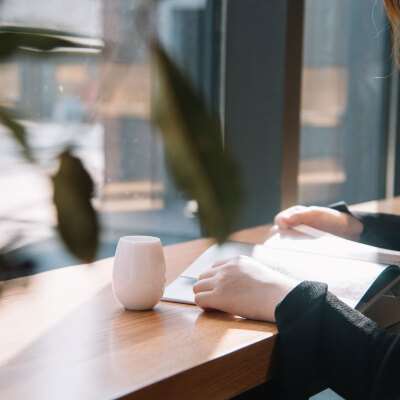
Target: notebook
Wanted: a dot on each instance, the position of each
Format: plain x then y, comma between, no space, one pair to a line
358,274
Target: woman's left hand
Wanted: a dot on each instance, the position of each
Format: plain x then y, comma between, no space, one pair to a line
242,286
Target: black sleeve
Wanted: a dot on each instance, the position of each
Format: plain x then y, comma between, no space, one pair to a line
380,230
322,339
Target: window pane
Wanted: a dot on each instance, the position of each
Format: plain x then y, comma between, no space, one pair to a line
344,94
99,105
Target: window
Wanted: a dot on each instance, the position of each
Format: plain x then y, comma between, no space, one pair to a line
244,56
100,105
345,90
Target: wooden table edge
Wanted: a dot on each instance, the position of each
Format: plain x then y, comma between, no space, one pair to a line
247,367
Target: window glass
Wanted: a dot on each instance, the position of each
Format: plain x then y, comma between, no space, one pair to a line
345,81
100,106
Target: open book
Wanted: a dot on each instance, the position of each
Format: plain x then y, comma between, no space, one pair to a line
358,274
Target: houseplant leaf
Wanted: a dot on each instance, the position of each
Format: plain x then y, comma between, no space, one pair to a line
7,118
200,165
77,220
13,38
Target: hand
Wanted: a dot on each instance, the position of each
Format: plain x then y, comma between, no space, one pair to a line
242,286
324,219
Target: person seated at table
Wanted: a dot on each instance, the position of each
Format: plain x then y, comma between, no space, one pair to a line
322,340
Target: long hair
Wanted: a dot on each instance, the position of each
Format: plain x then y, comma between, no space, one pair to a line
393,12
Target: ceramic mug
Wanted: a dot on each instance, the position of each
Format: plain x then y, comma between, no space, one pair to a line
139,272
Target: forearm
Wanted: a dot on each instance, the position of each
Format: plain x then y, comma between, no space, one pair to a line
380,230
323,339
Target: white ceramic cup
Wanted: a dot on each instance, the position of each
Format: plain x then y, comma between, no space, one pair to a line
139,272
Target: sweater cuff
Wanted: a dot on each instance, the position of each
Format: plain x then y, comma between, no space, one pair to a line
299,301
340,206
299,317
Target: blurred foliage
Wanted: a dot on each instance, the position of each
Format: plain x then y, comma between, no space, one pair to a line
8,119
73,187
77,220
11,268
201,166
14,38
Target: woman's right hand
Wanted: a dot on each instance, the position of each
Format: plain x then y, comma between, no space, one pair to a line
322,218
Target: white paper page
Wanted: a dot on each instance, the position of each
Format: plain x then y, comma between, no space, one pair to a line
317,242
347,279
180,290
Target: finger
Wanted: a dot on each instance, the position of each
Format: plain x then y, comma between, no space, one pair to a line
220,263
204,300
205,285
306,216
273,231
207,274
281,219
279,222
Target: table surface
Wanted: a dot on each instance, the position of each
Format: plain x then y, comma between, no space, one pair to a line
64,336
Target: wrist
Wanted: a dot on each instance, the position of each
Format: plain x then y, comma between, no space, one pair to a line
355,228
289,285
279,294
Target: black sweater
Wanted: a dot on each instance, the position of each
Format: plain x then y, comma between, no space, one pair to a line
322,340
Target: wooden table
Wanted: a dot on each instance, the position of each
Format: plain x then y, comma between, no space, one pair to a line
64,336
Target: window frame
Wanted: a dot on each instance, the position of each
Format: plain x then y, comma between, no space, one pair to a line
262,81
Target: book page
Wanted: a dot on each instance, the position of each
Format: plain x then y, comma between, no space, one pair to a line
347,279
306,239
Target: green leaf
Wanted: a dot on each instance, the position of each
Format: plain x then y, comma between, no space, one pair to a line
194,147
77,220
13,38
7,118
